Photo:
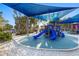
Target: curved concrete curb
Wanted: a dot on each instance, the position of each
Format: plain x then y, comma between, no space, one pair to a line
23,46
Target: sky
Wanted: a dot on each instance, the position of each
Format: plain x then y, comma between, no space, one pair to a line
8,12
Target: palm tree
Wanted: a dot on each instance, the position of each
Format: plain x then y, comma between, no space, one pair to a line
17,21
1,21
22,24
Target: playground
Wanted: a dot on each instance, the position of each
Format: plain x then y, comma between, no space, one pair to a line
40,29
51,36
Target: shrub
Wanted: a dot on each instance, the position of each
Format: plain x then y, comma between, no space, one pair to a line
5,36
0,28
8,27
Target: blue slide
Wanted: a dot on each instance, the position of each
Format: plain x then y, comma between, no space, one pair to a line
53,35
42,32
62,34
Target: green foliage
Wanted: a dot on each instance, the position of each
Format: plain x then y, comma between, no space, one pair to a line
0,28
8,27
5,36
64,25
50,22
33,21
22,24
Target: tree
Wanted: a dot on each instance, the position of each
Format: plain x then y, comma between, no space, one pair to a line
33,21
8,27
2,19
4,36
23,23
1,22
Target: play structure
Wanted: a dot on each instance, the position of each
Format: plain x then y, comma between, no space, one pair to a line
50,33
50,37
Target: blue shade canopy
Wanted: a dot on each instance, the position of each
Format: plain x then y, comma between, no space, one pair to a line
71,20
74,19
65,12
61,4
41,17
76,16
30,9
53,16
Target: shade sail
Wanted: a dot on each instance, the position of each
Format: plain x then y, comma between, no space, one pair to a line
61,4
31,9
53,16
74,19
71,20
65,12
76,16
41,17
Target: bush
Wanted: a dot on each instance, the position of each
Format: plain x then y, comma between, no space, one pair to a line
0,28
8,27
5,36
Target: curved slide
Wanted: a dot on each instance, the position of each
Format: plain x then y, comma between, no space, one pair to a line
42,32
52,35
